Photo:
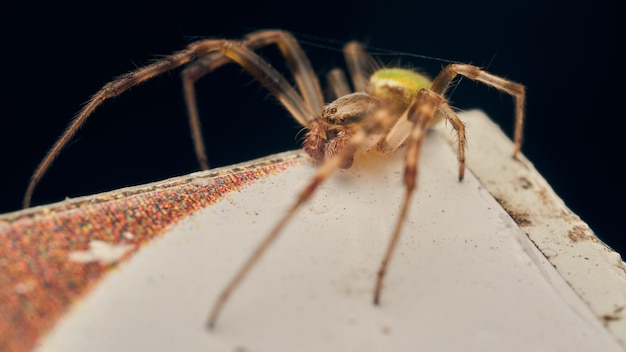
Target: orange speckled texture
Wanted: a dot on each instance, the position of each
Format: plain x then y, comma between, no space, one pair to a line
38,283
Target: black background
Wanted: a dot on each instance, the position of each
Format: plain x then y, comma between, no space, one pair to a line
55,56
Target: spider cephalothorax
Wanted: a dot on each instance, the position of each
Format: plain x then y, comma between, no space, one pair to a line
388,89
338,120
383,109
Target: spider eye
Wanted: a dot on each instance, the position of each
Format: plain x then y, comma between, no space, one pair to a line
333,110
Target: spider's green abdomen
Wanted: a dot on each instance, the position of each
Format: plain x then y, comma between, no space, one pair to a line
397,86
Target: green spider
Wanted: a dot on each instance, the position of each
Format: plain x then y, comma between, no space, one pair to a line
387,108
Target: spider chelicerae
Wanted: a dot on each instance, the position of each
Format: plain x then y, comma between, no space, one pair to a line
386,109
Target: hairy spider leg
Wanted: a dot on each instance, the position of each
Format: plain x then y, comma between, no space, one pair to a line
377,122
193,72
360,65
399,133
337,82
515,90
428,108
306,80
421,114
235,51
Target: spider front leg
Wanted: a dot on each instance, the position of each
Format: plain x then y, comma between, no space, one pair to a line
427,108
420,113
356,107
325,171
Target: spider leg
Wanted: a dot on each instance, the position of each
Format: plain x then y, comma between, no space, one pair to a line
403,127
297,61
338,83
300,66
110,90
190,75
235,51
421,112
516,90
360,65
378,121
459,126
338,143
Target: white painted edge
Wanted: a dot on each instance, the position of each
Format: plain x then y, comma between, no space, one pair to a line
595,272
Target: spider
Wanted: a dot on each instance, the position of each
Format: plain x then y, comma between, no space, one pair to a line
388,108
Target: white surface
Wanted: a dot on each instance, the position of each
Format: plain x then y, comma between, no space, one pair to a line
465,277
594,271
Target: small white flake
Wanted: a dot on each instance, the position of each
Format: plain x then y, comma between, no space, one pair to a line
100,251
25,287
128,235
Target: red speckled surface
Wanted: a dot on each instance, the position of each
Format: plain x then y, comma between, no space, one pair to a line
38,282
